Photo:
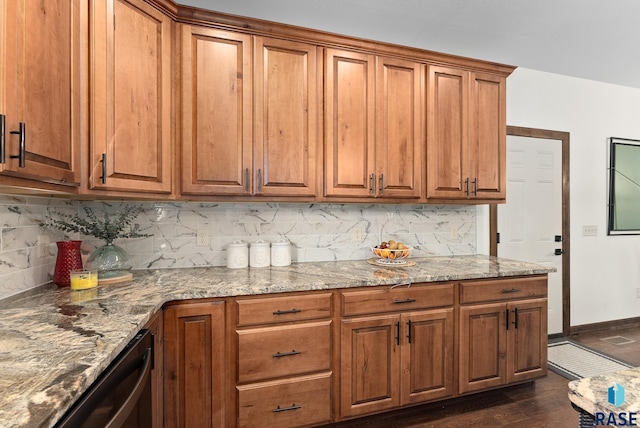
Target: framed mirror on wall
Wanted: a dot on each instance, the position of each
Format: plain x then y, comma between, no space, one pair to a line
624,187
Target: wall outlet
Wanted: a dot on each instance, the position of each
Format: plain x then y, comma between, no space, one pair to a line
454,232
589,230
43,245
356,234
202,238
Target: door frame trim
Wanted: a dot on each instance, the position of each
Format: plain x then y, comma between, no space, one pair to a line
563,137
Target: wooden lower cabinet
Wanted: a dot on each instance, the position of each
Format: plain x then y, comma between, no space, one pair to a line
396,359
502,343
194,371
291,360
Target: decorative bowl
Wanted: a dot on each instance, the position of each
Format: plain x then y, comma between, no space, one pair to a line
389,254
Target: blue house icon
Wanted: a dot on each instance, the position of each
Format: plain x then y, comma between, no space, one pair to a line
616,395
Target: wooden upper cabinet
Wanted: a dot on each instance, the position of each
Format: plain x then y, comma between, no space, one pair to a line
249,122
466,135
399,138
286,118
130,74
349,124
40,94
373,122
216,112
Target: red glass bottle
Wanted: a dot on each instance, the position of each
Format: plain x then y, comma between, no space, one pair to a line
68,259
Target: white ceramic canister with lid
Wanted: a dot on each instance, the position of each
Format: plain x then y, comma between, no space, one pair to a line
237,255
259,256
281,253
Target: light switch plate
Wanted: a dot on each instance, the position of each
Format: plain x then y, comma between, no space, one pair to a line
589,230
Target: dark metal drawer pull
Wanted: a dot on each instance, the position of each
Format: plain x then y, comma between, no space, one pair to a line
103,177
289,311
294,406
513,290
286,354
395,302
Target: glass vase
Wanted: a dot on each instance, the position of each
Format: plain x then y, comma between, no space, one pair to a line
110,260
68,259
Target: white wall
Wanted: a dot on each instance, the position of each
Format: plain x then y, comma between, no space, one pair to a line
605,270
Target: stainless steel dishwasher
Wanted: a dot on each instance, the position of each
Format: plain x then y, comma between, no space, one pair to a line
121,396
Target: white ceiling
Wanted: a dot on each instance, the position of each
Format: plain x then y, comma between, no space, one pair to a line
591,39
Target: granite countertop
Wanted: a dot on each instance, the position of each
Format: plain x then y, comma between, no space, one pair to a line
592,394
55,342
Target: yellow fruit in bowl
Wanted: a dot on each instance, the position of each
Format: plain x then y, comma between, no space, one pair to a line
392,254
385,253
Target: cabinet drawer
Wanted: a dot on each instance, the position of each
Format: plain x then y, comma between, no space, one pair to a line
386,299
286,403
502,289
270,352
283,309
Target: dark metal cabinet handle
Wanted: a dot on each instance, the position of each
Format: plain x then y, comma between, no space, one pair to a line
466,184
2,140
246,179
288,311
259,180
286,354
398,333
409,331
103,177
397,302
22,148
506,313
382,184
294,406
372,183
475,187
515,322
513,290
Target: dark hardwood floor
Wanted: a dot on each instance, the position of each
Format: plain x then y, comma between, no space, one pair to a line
543,403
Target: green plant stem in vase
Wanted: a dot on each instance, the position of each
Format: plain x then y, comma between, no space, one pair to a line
111,261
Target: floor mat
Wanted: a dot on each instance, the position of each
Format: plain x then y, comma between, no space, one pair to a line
575,361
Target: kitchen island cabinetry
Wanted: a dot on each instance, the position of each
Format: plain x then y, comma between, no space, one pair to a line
130,149
41,112
284,362
194,370
466,135
403,355
249,120
503,332
373,126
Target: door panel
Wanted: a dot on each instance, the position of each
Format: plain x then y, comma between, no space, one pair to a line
532,215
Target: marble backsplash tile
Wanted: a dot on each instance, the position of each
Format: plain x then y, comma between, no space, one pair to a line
317,232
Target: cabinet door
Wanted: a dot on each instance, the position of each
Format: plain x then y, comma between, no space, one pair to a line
286,122
370,364
194,365
40,73
427,356
399,138
483,347
216,112
130,74
349,124
447,132
527,340
487,136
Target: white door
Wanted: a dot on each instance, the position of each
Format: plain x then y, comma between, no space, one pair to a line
532,217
